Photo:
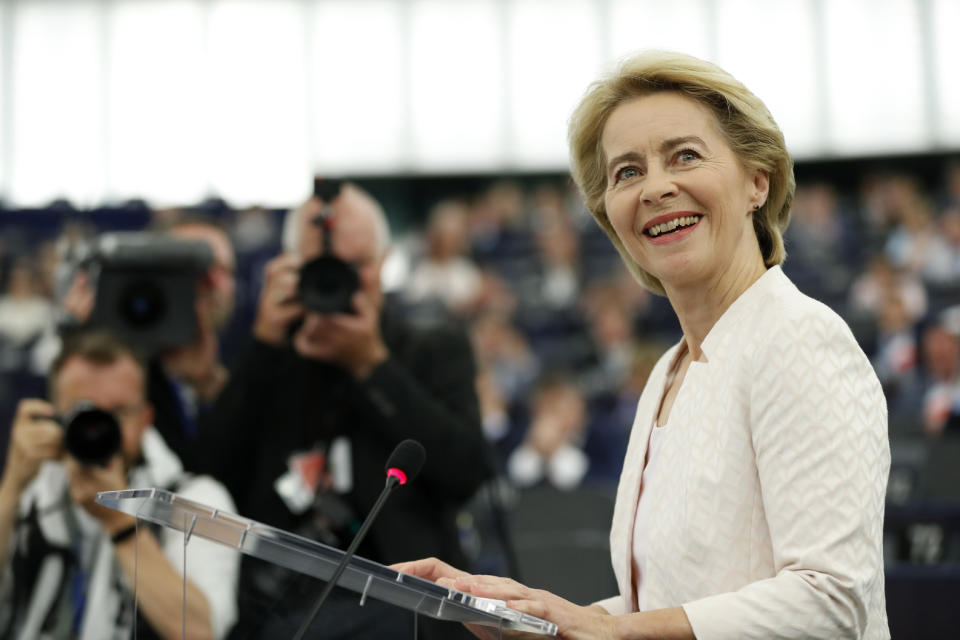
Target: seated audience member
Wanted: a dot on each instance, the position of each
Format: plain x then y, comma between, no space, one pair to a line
611,330
951,184
24,310
75,569
551,451
445,273
494,411
503,350
612,413
895,361
498,225
942,263
314,408
914,228
825,245
873,286
557,280
941,360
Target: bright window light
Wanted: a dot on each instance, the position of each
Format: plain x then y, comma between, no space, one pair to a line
874,79
176,100
786,79
555,51
679,25
157,147
946,17
356,72
4,100
256,101
56,102
456,85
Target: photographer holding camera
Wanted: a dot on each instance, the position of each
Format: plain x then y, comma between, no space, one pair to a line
69,564
333,380
171,292
184,381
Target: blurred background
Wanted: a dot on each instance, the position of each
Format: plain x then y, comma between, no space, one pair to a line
119,114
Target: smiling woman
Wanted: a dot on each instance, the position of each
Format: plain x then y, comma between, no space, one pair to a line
751,499
681,205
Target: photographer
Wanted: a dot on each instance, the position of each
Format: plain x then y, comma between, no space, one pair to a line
69,564
183,379
328,387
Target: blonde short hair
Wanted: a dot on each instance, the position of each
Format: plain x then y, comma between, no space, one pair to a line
744,121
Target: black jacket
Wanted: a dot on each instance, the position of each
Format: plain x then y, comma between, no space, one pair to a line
278,403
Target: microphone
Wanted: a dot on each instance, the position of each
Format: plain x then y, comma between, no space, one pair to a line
402,466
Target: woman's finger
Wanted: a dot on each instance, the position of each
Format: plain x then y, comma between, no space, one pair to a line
428,569
492,587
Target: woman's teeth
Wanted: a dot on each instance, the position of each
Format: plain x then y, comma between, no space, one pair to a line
672,225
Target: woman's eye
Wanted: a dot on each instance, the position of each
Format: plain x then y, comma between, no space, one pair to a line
626,173
688,155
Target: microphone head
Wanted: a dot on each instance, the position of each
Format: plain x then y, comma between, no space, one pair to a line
406,461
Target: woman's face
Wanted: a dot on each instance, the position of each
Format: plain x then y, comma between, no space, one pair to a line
677,196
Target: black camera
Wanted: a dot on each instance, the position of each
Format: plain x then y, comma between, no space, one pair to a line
91,435
146,287
327,283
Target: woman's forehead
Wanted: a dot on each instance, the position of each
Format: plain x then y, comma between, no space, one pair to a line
654,119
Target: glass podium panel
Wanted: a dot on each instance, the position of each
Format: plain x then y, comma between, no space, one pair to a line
368,578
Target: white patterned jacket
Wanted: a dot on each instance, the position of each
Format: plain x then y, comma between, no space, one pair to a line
770,522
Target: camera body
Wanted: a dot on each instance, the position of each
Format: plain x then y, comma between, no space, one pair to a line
146,287
327,283
91,435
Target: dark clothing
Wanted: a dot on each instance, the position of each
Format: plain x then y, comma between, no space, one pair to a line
278,404
173,416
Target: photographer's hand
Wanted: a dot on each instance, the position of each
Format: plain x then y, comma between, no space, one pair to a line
278,307
33,440
86,481
350,341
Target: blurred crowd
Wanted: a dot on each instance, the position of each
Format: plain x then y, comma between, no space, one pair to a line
564,339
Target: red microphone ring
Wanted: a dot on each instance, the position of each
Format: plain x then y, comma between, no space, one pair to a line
398,474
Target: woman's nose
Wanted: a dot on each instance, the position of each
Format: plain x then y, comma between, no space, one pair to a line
658,187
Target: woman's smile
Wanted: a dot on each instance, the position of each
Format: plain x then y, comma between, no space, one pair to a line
671,227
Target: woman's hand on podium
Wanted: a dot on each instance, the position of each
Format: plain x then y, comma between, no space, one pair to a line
573,621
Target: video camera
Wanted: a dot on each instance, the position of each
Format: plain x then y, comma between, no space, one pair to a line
146,287
327,283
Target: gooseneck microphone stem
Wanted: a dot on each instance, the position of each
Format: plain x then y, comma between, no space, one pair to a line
392,483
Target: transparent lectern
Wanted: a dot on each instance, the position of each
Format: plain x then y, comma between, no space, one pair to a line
365,577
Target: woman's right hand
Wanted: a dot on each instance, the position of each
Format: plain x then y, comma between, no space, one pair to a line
430,569
574,622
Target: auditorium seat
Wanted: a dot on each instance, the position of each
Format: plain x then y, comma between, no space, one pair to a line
562,541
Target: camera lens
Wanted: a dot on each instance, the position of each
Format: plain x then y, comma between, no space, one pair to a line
142,304
92,435
327,285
